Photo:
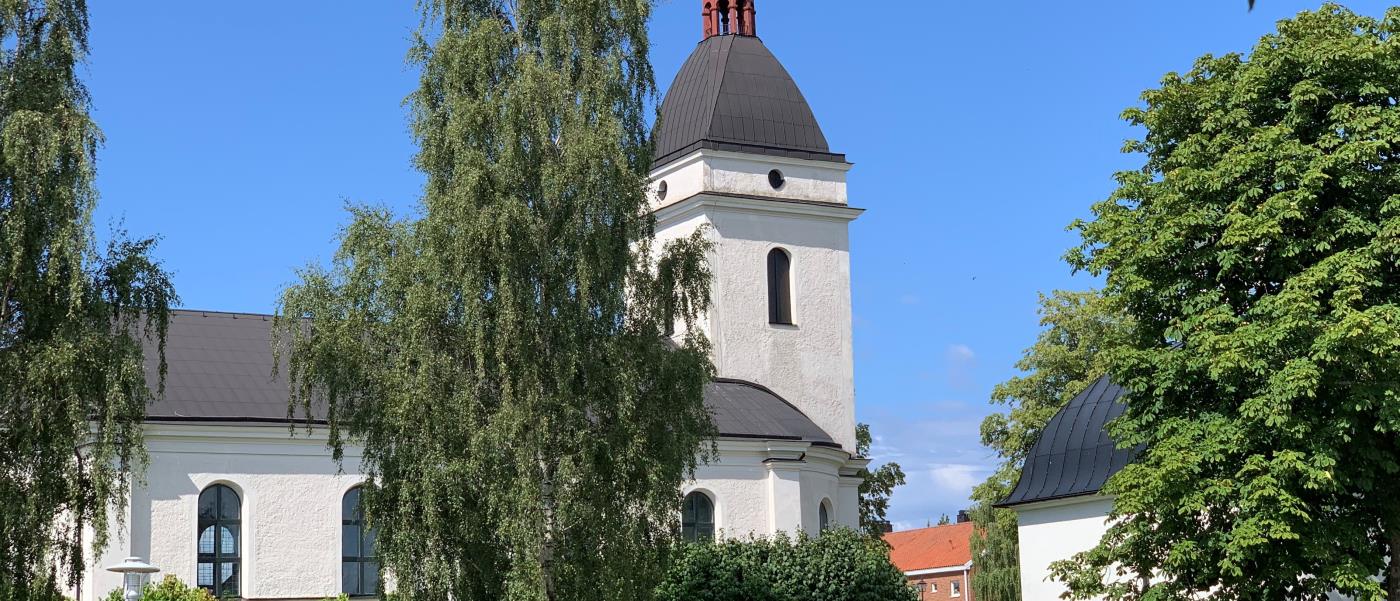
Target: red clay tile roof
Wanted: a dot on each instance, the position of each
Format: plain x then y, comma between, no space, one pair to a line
936,547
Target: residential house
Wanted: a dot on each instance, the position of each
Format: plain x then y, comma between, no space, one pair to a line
936,560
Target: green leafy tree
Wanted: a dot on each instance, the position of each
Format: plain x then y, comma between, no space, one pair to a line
876,486
1257,251
1069,354
944,520
840,565
501,355
72,373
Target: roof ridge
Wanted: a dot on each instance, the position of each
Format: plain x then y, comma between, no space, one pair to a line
211,313
934,527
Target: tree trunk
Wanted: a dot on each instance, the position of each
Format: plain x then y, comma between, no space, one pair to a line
1392,576
547,548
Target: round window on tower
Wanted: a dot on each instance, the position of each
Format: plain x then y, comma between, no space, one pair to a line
775,179
661,190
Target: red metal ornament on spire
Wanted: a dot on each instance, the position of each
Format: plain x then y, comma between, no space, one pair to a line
728,17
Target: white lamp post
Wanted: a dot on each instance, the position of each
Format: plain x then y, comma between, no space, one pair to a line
134,573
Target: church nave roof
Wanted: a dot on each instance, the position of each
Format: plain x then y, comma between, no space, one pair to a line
219,369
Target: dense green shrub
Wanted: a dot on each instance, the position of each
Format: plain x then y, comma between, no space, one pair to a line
169,588
840,565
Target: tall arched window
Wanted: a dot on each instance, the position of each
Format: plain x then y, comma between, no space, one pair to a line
823,517
219,511
779,287
698,518
359,566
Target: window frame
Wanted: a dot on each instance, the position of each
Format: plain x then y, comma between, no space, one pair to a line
216,559
781,308
362,534
699,531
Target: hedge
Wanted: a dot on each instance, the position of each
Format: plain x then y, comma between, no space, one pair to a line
839,565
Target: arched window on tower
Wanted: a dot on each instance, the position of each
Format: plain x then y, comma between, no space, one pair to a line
698,517
218,557
823,516
359,566
779,287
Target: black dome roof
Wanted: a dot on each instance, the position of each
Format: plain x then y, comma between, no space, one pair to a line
733,94
1075,455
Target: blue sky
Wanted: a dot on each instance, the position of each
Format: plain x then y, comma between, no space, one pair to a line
979,130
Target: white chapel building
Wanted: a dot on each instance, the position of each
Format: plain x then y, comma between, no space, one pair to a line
1060,507
234,502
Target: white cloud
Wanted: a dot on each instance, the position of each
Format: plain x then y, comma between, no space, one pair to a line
903,525
938,446
961,352
961,362
956,476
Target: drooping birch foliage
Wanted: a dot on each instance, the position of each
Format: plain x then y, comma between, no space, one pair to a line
73,390
502,354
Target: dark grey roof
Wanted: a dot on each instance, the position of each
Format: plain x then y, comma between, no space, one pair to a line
1074,455
733,94
219,369
747,410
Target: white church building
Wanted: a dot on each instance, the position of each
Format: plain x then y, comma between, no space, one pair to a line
234,502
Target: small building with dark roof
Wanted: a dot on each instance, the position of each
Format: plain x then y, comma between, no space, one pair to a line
1057,500
1074,456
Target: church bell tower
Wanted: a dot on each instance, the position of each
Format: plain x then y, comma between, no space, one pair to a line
738,149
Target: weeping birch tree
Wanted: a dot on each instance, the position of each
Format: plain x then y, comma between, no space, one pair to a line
73,389
502,354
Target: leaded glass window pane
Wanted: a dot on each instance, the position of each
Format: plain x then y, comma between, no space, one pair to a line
206,540
228,579
228,540
208,506
359,570
350,540
369,577
349,576
218,541
228,504
698,518
367,542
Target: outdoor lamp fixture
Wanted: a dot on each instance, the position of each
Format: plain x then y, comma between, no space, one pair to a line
134,574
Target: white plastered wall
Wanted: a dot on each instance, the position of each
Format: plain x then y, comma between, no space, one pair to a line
1051,531
810,362
290,490
1056,530
765,487
726,172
